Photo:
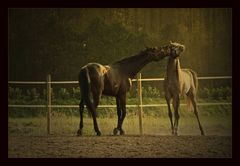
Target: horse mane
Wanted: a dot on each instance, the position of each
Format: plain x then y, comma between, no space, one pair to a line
131,65
129,59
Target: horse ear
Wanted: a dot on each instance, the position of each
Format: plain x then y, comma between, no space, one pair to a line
170,41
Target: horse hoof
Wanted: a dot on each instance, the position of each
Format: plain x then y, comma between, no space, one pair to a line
202,133
79,132
115,131
99,133
122,132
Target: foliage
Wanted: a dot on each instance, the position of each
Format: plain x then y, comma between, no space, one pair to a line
151,92
222,93
33,94
151,95
64,50
63,94
14,93
60,41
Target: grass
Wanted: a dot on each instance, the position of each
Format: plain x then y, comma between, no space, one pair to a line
216,120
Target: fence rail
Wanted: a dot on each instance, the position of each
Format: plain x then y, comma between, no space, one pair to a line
113,106
143,79
140,106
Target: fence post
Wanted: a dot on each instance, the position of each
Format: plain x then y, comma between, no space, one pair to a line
49,104
140,110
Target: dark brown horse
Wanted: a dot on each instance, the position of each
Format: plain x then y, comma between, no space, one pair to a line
113,80
179,82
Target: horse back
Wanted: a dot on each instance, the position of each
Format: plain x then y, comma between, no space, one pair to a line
185,81
96,74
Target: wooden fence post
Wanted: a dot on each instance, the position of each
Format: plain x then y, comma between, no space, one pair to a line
140,110
49,104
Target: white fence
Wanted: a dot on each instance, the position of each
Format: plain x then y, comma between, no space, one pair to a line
140,106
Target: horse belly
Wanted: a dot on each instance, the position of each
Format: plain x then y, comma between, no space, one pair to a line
186,88
109,91
110,87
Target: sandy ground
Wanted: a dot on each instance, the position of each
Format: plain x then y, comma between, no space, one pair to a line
128,146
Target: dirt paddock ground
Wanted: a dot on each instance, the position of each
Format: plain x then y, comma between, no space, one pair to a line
128,146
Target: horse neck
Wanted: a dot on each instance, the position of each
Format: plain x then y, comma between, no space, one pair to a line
132,65
173,69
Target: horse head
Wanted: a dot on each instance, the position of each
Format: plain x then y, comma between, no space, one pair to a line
175,49
156,53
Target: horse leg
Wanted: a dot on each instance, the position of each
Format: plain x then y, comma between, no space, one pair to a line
176,103
81,107
194,103
92,110
168,99
96,99
123,108
119,112
94,116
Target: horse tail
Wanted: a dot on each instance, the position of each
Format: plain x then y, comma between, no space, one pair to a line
195,81
84,83
189,104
